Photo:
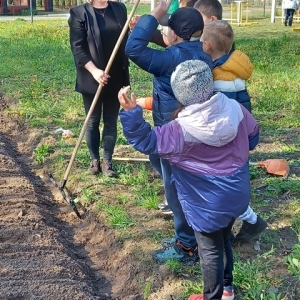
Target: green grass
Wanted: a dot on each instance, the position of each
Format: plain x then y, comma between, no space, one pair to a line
37,69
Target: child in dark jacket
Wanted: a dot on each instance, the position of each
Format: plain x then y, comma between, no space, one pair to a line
230,71
207,146
184,23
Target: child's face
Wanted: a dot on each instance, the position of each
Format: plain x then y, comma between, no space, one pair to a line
171,36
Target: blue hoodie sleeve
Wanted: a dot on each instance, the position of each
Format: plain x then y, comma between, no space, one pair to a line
167,141
156,62
137,131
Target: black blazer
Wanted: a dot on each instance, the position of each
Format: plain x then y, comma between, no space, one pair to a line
85,41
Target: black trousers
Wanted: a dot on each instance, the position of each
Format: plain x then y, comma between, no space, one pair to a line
288,16
216,267
107,107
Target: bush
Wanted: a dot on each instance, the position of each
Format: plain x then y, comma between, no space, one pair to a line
26,12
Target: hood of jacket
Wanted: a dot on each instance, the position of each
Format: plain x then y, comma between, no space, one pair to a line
214,122
238,65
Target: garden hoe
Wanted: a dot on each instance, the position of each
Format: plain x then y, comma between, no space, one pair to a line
279,167
131,159
74,203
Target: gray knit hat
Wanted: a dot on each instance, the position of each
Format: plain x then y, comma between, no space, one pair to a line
192,82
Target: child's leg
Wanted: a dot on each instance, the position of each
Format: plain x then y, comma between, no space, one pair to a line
291,15
253,225
184,250
228,291
228,257
211,253
285,16
249,216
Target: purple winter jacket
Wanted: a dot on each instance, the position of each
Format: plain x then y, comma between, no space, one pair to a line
208,148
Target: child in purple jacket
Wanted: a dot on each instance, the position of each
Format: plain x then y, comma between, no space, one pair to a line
207,146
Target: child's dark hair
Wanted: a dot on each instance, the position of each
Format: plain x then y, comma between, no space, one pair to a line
209,8
187,3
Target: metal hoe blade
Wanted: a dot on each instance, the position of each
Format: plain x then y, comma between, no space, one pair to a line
66,196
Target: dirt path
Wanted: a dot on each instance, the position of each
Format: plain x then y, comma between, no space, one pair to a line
38,256
46,252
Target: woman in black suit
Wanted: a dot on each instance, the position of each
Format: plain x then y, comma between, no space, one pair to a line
94,30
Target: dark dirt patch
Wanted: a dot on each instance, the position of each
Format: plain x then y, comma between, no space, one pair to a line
39,257
46,252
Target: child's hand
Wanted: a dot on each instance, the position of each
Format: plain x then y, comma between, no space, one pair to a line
161,9
133,22
125,102
141,102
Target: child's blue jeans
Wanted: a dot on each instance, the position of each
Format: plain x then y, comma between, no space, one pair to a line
183,232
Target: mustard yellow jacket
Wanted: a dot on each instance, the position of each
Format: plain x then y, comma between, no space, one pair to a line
230,73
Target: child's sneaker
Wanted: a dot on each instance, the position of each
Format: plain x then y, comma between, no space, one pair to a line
186,256
249,231
196,297
162,204
166,210
168,242
228,293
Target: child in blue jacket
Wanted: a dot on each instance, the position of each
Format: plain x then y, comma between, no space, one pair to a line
207,146
183,24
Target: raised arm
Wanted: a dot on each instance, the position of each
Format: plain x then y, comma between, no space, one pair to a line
165,141
153,61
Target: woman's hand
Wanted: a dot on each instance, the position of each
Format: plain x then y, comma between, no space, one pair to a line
100,76
161,9
125,102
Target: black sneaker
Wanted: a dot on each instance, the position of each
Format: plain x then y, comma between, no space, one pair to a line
166,210
249,231
162,204
94,168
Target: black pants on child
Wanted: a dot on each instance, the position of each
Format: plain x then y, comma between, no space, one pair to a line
288,16
216,267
